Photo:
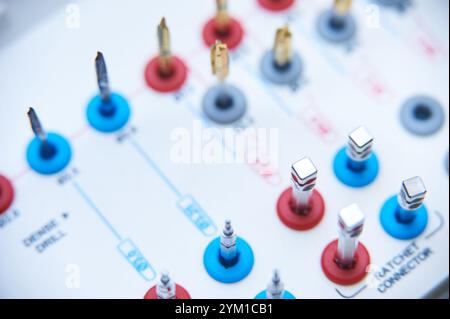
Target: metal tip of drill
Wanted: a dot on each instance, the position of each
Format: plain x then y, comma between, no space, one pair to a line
276,277
165,279
166,288
220,60
283,46
163,38
165,55
36,124
162,24
102,76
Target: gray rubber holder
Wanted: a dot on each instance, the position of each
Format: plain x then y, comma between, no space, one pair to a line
285,75
422,115
227,115
338,35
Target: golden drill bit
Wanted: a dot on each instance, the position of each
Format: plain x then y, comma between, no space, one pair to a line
222,17
282,48
164,47
220,60
341,7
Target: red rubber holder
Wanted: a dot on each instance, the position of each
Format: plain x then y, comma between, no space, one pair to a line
296,221
342,276
181,293
232,38
6,194
276,5
166,84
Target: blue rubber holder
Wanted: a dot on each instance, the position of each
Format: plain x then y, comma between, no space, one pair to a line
398,230
287,295
229,114
232,274
284,75
424,125
353,178
108,123
333,34
52,165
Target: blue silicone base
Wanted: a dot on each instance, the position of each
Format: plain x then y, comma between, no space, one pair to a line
54,164
287,75
287,295
399,230
227,115
423,126
108,123
333,34
353,178
231,274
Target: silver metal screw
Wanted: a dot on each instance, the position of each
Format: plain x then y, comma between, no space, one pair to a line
228,243
275,289
359,149
350,222
411,197
304,176
166,288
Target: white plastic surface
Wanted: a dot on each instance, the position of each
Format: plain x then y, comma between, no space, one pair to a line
121,203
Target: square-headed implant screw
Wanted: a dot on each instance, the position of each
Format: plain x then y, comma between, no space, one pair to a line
360,143
350,223
412,193
304,176
411,197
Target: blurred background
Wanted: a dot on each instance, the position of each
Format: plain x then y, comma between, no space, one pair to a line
19,16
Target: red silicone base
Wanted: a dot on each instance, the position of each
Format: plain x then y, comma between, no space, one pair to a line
342,276
165,84
296,221
232,37
181,293
6,194
276,5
